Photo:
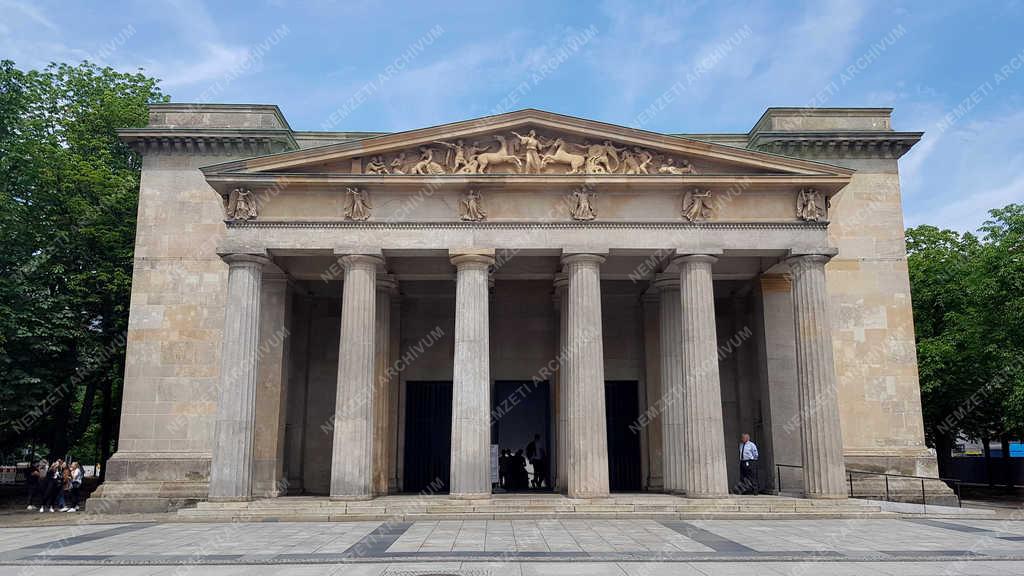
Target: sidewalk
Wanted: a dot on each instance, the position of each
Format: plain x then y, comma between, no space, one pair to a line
649,547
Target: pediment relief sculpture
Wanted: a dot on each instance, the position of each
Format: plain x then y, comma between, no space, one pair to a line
697,205
358,208
527,153
240,204
810,205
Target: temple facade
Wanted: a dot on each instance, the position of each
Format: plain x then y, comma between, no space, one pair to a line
359,314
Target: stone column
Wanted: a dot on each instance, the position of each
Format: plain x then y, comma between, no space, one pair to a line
562,431
588,437
703,435
352,465
673,415
231,465
822,450
382,424
471,388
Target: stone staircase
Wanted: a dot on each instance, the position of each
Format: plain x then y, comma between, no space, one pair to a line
510,507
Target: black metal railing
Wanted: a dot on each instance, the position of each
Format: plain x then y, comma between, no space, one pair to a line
850,474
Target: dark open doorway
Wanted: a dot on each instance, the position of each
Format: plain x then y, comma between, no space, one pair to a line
428,437
622,407
522,410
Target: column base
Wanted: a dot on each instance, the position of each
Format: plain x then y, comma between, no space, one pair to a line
229,499
471,496
826,496
589,496
706,496
351,497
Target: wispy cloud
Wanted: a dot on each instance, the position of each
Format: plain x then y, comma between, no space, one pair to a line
967,171
27,10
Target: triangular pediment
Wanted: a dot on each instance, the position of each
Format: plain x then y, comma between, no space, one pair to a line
528,142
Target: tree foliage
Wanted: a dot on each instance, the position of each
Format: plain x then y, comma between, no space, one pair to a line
969,319
68,197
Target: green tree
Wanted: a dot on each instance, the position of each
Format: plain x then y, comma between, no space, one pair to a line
1000,296
969,322
68,198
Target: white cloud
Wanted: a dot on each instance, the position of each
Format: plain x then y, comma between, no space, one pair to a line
28,11
212,62
965,172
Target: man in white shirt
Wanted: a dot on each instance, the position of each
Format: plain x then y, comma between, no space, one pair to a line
748,465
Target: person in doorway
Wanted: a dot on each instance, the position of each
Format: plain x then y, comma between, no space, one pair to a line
503,461
517,470
748,465
540,469
531,455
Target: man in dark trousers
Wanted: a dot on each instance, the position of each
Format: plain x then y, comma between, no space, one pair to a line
531,455
748,465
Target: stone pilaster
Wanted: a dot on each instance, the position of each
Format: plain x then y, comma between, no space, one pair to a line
471,388
382,425
822,449
703,433
588,437
673,415
561,285
352,465
231,466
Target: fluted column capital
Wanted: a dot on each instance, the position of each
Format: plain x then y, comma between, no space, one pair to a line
666,282
561,281
583,258
240,259
683,259
387,283
361,261
472,261
797,262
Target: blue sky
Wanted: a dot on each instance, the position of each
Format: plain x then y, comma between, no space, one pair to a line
390,66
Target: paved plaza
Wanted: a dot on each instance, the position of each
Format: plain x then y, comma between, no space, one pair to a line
633,547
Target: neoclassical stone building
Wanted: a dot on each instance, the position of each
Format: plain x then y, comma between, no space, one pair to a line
356,314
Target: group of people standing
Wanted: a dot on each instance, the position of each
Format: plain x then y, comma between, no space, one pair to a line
512,471
55,485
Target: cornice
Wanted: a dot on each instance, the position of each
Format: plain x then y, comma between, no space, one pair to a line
827,184
526,225
208,141
836,144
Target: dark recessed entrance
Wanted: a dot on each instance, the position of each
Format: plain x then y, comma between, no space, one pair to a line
622,407
428,437
522,409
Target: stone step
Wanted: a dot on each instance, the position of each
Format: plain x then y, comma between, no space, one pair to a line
209,516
